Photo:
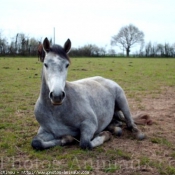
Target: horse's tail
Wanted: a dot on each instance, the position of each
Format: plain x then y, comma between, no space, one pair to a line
139,119
142,119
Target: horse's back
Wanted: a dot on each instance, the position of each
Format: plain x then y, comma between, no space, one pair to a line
110,85
94,86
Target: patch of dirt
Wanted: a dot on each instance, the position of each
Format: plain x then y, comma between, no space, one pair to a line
155,154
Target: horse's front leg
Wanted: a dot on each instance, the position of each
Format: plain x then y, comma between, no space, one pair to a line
87,139
87,131
44,140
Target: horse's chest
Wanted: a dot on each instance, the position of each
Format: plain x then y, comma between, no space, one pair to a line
55,123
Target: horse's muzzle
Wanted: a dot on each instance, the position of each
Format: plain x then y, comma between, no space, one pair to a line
57,99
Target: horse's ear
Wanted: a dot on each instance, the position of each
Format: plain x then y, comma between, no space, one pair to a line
67,46
46,45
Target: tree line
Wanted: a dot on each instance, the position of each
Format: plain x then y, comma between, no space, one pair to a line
20,45
158,50
127,37
148,50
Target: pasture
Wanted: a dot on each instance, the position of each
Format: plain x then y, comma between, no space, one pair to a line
149,85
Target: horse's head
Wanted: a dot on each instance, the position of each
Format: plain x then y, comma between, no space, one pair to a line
55,67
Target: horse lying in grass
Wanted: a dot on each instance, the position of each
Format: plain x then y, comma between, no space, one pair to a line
83,109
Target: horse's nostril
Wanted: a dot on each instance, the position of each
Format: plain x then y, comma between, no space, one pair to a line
51,95
63,94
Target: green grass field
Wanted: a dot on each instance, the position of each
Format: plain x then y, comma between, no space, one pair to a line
19,89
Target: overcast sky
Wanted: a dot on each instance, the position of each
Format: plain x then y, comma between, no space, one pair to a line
87,21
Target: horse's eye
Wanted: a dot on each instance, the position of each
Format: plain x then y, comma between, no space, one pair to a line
67,65
45,65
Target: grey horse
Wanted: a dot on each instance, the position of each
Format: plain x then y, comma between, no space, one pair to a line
85,109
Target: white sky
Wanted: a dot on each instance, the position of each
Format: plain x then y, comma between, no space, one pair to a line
87,21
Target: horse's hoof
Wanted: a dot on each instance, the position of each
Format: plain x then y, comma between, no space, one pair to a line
86,145
118,131
141,136
67,140
106,134
37,145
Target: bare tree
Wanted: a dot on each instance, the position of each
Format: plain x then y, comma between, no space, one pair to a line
160,50
33,44
127,37
169,50
111,52
3,45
